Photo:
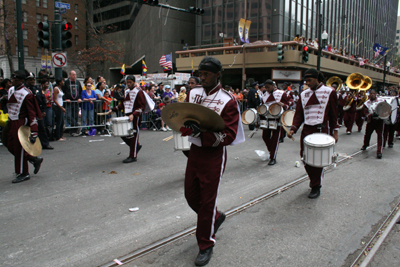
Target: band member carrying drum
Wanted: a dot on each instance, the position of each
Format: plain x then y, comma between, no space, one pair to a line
317,109
374,122
207,157
271,131
134,104
391,124
22,110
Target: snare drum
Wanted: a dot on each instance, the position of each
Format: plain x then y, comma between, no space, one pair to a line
319,150
263,124
181,142
250,116
263,110
392,101
122,127
275,110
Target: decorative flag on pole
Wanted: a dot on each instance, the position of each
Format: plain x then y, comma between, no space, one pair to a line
166,62
242,22
123,70
379,50
247,31
144,68
192,67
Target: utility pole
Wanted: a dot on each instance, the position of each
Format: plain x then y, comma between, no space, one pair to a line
20,39
57,47
319,36
244,50
384,73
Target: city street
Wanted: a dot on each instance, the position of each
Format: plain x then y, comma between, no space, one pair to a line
75,211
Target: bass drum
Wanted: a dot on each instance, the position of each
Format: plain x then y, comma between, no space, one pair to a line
250,116
392,101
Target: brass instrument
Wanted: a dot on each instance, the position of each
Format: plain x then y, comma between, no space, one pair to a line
354,82
334,79
366,84
364,99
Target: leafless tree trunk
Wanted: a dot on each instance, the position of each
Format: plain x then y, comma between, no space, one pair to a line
5,35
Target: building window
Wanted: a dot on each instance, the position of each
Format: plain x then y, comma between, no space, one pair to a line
23,2
76,9
76,39
25,34
398,31
45,18
39,52
38,18
397,37
25,16
76,25
38,3
45,3
26,50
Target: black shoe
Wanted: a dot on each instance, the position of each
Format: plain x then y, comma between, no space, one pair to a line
384,145
315,192
21,177
272,162
364,147
48,147
138,148
37,162
281,140
129,160
379,155
219,221
391,146
204,257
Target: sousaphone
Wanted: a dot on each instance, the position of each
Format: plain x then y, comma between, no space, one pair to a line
334,79
354,81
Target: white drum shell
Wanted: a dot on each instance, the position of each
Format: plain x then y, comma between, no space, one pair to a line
121,126
319,150
249,116
393,102
181,142
263,110
273,110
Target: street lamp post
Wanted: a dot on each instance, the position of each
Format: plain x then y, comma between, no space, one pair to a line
322,43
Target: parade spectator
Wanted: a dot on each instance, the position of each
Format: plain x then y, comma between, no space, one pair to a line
182,94
47,111
168,93
193,82
72,95
158,113
5,85
118,97
106,104
59,110
88,80
88,96
175,93
160,90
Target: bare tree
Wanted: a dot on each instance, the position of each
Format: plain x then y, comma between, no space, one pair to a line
7,32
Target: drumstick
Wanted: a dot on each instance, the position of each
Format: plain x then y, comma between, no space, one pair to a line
103,113
287,131
168,138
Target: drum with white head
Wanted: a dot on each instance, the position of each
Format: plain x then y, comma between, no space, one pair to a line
250,116
382,109
121,126
319,150
392,101
263,110
275,110
287,118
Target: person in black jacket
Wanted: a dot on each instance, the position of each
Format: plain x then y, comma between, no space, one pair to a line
118,97
41,99
253,100
72,95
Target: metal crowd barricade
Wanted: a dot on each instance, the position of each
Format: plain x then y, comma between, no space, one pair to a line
73,115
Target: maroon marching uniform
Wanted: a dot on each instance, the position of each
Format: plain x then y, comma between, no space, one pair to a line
388,133
318,111
341,103
374,123
133,103
360,118
349,116
207,160
22,110
271,137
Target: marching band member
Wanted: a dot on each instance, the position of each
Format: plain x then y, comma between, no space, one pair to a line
374,123
135,102
317,109
207,156
22,110
271,137
349,115
388,133
359,113
253,100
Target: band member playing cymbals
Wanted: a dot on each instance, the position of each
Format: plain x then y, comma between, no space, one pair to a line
317,109
135,102
22,110
374,123
207,157
271,136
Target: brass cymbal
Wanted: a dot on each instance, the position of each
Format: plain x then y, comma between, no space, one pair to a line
23,135
176,114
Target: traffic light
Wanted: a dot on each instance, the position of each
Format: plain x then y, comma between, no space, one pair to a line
150,2
305,54
66,35
196,10
44,34
280,53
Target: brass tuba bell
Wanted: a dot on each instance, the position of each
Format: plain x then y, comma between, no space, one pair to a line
355,81
366,84
334,79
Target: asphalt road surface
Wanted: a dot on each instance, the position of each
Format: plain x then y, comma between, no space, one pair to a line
75,211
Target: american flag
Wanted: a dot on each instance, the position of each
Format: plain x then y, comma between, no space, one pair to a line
166,61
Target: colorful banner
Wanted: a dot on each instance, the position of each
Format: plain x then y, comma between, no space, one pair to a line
182,76
242,23
44,59
247,31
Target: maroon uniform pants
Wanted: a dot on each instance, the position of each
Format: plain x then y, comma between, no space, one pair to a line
388,134
359,119
133,140
349,118
271,140
340,115
204,170
315,174
377,126
21,157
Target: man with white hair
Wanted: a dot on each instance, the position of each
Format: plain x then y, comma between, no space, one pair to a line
72,95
